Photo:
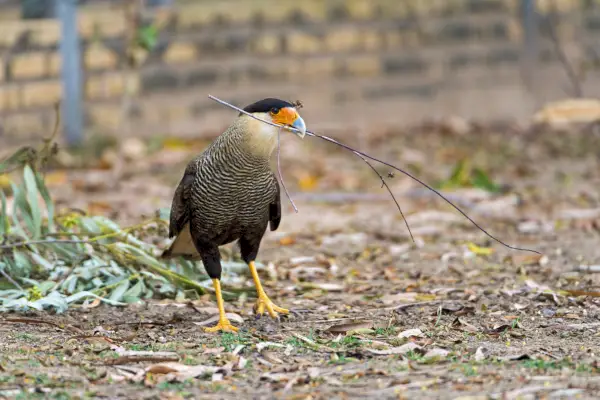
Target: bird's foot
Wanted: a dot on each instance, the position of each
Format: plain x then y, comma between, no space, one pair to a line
264,302
223,325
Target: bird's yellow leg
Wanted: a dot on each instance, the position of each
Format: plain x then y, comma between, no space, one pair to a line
223,324
263,301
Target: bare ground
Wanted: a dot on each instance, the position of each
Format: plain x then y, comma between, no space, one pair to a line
484,324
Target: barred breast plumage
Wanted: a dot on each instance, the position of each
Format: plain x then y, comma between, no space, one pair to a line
226,191
229,193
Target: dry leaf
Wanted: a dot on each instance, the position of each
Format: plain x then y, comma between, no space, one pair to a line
529,259
436,353
416,332
351,326
232,317
287,241
404,349
410,297
459,323
480,251
582,293
307,182
480,353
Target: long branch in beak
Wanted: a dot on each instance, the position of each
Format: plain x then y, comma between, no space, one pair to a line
288,116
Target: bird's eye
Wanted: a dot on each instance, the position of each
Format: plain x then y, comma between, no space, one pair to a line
274,111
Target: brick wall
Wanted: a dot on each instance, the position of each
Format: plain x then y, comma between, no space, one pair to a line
353,63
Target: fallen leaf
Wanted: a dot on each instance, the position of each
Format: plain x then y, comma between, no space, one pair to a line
459,323
529,259
330,287
404,349
287,240
481,353
501,328
399,298
232,316
416,332
480,251
582,293
351,326
436,353
307,182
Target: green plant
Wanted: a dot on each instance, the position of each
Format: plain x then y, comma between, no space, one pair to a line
52,260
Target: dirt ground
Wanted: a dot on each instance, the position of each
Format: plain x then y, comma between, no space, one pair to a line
453,315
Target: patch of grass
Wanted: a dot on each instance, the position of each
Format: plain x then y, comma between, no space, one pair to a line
385,331
230,340
469,370
340,359
545,365
347,342
414,356
295,342
7,379
175,386
27,337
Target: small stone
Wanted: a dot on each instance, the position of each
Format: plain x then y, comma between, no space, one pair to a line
548,313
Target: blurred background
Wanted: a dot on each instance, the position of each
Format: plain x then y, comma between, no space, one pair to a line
451,90
353,63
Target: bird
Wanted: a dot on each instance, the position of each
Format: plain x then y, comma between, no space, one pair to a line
229,193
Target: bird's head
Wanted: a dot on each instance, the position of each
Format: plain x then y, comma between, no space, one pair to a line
277,111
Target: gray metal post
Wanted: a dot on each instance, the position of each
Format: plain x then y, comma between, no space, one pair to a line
71,110
530,26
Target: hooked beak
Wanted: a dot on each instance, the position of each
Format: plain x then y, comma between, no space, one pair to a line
300,126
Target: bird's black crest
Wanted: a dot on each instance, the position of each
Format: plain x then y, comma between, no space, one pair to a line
266,105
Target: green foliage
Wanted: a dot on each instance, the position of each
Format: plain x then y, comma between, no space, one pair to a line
464,175
51,261
147,37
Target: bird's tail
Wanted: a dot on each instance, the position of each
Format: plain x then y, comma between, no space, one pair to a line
182,246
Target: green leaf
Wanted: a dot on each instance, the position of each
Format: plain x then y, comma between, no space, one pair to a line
82,295
482,181
47,200
19,200
90,226
54,299
135,292
41,261
46,286
119,291
4,223
147,37
32,199
22,264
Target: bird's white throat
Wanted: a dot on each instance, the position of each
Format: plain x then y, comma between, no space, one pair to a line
262,138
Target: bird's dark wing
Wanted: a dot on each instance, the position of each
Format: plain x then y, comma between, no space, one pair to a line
180,208
275,208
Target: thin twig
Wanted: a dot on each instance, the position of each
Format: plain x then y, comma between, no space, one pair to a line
279,171
11,280
328,139
384,183
46,241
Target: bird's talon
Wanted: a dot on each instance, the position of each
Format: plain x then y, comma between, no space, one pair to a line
264,302
223,325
